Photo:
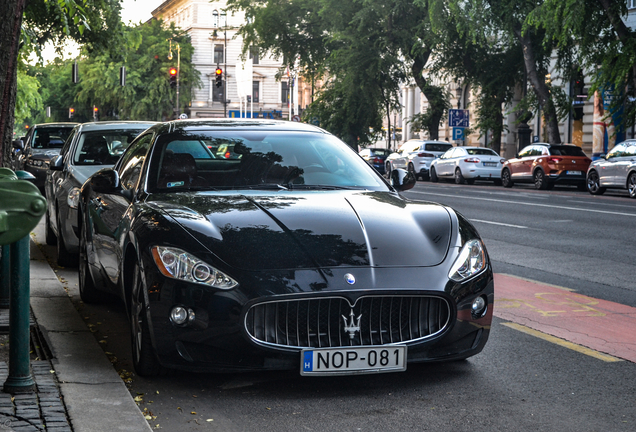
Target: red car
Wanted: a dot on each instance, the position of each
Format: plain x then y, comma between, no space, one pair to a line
546,165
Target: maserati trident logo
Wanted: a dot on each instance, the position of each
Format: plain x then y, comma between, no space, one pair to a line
351,327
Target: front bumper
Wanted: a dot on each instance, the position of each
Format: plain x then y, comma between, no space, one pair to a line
217,340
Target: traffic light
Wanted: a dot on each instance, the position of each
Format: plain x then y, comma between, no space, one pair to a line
173,76
95,110
71,111
219,77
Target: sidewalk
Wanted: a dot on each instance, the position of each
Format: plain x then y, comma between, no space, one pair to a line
77,387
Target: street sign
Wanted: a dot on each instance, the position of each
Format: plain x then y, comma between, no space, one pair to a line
295,118
458,118
458,133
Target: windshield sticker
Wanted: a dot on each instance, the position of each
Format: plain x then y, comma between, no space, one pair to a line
174,184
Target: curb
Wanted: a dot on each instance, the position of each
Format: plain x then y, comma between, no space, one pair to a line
96,398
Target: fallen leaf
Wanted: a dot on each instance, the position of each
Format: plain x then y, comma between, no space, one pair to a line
139,399
148,417
193,412
210,420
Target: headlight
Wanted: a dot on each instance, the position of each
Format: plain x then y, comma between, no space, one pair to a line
178,264
73,198
471,261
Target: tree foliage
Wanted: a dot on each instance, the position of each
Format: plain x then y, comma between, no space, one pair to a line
147,94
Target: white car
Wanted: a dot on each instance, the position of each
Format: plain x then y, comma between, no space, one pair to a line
467,164
416,156
615,170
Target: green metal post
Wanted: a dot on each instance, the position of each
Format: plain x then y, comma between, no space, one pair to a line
20,379
5,279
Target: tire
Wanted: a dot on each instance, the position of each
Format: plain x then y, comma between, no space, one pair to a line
87,288
49,235
459,178
593,184
506,180
540,182
433,175
631,185
64,257
144,358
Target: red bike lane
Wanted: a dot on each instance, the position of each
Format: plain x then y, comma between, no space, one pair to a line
599,325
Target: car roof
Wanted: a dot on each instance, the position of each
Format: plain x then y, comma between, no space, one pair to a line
54,125
110,125
243,124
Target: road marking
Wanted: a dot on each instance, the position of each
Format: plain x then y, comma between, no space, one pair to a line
499,223
562,342
596,324
526,204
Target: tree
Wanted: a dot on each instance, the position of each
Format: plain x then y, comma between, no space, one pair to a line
28,25
484,59
339,37
593,37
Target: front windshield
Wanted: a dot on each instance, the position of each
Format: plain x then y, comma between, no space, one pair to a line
257,159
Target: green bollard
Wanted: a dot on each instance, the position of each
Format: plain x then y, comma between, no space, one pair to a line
20,379
5,277
21,208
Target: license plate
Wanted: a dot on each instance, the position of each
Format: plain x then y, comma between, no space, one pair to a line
353,360
573,172
490,164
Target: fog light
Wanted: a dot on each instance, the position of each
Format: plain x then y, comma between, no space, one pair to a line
179,315
191,316
479,307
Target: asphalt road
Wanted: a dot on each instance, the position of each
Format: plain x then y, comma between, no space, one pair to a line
518,383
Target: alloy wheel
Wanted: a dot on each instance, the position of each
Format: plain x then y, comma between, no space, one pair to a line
506,181
631,185
594,184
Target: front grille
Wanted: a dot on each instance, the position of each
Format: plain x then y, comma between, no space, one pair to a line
320,322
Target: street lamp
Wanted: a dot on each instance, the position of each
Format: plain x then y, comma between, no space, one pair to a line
459,91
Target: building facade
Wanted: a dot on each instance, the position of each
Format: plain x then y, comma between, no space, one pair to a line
216,45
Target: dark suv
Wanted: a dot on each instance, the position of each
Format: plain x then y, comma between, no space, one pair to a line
546,165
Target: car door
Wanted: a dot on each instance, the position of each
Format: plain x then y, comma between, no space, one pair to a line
445,163
609,168
108,210
54,179
624,163
520,167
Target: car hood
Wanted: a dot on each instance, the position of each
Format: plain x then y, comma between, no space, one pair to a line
291,230
44,153
83,172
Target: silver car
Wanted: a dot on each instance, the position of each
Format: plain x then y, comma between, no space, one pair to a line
416,156
467,164
89,148
617,169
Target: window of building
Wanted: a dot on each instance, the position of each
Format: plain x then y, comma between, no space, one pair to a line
215,18
255,90
217,92
218,54
631,4
254,54
284,92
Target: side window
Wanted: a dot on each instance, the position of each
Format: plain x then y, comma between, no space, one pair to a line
68,142
132,162
631,150
525,152
616,151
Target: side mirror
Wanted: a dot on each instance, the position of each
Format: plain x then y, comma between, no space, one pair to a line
105,181
18,144
402,180
57,163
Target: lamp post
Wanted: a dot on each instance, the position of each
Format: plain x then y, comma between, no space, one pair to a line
178,72
224,18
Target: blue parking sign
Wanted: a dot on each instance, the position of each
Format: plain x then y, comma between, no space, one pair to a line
458,118
458,133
